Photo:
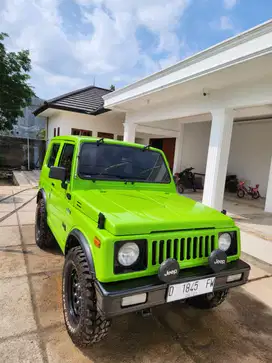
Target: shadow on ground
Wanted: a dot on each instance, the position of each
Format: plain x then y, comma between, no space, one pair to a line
238,331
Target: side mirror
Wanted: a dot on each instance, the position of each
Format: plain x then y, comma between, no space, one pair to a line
57,172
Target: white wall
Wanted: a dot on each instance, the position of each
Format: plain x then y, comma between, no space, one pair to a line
250,150
195,146
107,122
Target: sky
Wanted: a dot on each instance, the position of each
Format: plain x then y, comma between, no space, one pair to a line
76,43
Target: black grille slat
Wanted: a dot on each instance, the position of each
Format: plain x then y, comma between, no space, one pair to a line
161,251
206,254
168,249
154,250
182,249
176,249
189,242
212,243
195,247
201,247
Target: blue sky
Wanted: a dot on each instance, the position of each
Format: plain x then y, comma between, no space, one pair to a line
71,42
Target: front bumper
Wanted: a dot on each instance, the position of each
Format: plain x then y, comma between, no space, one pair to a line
109,295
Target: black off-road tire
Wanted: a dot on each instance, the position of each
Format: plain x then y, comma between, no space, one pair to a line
208,301
84,323
43,235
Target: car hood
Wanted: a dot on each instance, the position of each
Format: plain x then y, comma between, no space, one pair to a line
141,212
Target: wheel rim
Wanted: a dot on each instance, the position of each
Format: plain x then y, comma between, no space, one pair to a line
74,296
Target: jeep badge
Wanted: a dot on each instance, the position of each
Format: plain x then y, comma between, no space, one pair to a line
168,270
218,260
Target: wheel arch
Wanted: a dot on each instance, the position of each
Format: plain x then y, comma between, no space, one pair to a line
76,238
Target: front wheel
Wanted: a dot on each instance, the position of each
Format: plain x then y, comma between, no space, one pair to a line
208,301
240,193
84,323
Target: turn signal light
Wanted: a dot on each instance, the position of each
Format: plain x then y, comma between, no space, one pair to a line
134,300
97,242
232,278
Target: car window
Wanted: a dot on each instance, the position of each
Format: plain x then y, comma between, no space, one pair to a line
53,155
116,162
67,158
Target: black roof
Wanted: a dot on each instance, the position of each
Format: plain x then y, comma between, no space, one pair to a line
85,100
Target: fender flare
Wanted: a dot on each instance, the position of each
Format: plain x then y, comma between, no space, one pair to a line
85,247
41,194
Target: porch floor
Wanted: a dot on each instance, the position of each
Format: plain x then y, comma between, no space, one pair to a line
254,222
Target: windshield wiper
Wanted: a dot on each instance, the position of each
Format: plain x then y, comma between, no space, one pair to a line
126,179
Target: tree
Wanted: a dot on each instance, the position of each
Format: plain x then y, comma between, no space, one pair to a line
112,87
15,92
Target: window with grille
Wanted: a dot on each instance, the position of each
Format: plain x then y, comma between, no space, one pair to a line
80,132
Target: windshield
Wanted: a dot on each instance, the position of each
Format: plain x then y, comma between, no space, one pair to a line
117,162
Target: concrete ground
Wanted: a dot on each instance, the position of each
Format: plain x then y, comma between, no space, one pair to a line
32,327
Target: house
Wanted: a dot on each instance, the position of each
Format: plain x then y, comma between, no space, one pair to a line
217,105
82,112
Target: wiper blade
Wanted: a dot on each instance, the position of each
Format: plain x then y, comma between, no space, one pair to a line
130,179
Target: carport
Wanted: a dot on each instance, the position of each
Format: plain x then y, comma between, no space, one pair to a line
217,104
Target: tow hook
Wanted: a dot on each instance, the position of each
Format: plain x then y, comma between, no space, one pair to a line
146,313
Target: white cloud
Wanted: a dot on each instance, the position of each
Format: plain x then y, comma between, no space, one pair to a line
111,51
229,4
226,23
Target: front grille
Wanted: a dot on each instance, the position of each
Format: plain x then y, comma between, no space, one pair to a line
182,249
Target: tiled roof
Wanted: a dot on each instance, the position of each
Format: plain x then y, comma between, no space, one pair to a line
86,100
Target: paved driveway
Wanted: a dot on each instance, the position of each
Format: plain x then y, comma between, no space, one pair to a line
32,328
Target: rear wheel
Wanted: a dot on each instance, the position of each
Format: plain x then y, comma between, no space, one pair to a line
84,323
43,235
208,301
240,193
255,195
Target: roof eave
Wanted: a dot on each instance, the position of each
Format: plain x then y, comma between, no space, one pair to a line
215,49
47,105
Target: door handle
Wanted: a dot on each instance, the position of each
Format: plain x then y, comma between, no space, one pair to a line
68,195
53,184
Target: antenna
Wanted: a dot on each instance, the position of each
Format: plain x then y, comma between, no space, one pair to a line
94,81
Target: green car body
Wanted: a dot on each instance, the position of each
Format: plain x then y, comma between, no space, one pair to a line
148,211
92,214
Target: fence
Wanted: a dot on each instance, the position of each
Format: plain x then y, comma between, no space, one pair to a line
16,153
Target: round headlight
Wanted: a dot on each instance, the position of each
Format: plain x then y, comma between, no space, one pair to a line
224,241
128,254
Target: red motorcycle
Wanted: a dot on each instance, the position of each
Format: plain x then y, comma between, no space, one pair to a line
242,190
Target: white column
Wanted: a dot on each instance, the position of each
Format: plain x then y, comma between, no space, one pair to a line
218,155
268,202
178,150
129,132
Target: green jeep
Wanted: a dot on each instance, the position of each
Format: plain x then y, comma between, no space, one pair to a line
130,241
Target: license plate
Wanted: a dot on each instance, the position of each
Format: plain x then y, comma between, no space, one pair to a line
190,289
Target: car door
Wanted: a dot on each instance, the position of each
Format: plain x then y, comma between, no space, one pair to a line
45,181
61,199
